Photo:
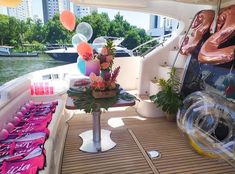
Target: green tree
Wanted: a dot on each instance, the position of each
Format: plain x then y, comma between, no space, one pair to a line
132,39
99,22
35,32
4,29
55,32
119,27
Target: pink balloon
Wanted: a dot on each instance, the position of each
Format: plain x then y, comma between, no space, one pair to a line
10,126
85,51
3,134
68,20
16,120
24,110
28,105
19,114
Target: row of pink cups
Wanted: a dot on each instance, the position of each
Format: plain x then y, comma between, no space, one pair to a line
42,88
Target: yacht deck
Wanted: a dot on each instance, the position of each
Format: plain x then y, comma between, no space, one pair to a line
137,136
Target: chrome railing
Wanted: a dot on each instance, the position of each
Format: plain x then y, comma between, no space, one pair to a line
159,42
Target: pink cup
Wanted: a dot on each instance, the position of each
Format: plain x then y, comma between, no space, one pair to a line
51,90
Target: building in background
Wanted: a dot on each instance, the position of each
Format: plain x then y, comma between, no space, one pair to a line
160,25
80,11
3,10
50,8
64,5
23,11
47,9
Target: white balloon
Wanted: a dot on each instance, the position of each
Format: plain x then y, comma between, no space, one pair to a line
78,38
85,29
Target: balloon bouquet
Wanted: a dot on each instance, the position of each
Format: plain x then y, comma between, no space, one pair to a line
85,62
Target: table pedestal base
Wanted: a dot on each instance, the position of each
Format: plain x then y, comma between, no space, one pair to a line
89,145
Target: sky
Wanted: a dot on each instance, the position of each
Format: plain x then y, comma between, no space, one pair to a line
131,17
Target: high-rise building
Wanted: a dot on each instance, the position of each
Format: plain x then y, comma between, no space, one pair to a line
160,25
80,11
51,7
3,10
64,5
23,11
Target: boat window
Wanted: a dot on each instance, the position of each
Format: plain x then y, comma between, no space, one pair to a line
46,77
50,76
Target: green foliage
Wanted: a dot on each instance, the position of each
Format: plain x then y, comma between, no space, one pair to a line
169,98
55,32
99,22
84,100
19,33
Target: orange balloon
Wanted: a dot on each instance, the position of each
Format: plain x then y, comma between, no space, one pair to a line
68,20
85,51
10,3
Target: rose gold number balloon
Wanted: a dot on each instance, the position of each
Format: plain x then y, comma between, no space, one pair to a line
200,26
210,52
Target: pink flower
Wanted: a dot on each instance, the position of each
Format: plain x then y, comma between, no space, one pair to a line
109,58
92,76
95,78
105,65
104,51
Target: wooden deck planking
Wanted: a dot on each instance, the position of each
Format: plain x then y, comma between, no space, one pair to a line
177,156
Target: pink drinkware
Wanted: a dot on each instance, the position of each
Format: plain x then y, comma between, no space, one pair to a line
36,87
46,88
51,89
32,89
41,88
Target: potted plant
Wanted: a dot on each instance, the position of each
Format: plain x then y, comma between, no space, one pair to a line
169,98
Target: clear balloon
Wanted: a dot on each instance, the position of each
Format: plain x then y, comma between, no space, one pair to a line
68,20
85,29
99,43
77,39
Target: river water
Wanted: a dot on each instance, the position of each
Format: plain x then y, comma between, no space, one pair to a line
12,67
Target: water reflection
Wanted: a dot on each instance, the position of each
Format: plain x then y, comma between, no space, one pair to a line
11,67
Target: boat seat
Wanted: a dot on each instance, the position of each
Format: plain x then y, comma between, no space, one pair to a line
16,97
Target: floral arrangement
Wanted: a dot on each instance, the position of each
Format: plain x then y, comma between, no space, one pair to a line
107,79
108,82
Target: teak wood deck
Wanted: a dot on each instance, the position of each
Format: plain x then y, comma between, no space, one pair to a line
133,140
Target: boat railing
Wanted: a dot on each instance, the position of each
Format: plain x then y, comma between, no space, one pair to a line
150,45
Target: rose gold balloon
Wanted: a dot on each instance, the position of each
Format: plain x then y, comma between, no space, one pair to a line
210,52
200,26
